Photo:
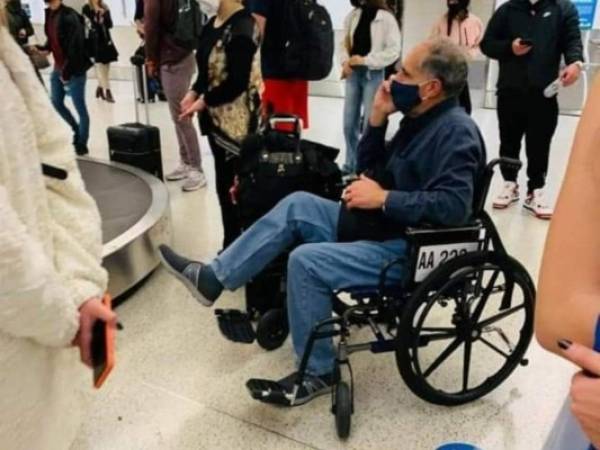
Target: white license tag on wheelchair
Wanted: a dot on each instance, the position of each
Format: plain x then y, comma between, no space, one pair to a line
432,256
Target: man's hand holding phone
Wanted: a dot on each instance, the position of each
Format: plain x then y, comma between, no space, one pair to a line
521,46
383,105
91,311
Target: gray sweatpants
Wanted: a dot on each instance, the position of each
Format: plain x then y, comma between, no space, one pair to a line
176,80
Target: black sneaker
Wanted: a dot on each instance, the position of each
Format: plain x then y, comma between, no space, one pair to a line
81,149
283,392
186,271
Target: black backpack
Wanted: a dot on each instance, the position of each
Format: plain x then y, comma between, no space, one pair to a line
189,21
308,36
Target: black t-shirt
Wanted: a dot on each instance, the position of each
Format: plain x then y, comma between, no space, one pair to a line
274,39
361,41
239,50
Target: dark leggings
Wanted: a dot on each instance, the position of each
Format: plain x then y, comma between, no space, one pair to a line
225,171
465,99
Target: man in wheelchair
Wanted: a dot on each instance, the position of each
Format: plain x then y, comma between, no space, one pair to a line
426,175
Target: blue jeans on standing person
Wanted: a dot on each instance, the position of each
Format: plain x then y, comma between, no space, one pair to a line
361,88
75,88
317,268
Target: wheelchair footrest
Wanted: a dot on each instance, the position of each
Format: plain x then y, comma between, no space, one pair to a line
235,325
268,391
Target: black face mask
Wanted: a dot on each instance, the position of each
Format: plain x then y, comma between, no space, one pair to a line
461,5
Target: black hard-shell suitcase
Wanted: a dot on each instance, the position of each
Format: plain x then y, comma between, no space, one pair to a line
137,144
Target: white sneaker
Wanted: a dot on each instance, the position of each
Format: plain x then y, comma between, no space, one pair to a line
508,197
179,174
194,181
536,204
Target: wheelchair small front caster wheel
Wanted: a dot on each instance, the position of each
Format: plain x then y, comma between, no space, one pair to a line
272,329
343,410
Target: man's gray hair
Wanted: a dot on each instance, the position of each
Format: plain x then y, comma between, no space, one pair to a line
447,62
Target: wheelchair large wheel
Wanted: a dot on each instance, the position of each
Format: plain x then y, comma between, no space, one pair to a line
272,329
481,304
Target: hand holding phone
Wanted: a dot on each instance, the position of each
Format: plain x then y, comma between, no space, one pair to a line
103,347
522,46
95,337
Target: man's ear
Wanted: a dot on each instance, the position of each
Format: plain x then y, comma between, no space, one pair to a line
432,89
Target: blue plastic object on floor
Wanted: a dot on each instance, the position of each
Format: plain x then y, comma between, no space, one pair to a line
458,446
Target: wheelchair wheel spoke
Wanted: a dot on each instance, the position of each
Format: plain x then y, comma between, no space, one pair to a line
467,364
494,348
485,296
439,329
443,357
498,317
425,339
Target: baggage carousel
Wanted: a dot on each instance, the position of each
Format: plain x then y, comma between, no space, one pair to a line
134,207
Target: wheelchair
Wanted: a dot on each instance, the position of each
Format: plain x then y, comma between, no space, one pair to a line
465,293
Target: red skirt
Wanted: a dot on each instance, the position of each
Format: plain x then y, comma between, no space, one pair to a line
287,97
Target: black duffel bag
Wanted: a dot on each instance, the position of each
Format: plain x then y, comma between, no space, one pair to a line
275,163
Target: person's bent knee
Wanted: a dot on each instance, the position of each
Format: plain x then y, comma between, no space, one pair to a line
299,198
302,257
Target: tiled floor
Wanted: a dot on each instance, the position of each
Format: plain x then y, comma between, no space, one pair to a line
179,385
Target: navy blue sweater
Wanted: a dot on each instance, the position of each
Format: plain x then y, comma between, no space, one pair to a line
431,166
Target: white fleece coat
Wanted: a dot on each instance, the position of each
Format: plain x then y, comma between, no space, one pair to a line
50,254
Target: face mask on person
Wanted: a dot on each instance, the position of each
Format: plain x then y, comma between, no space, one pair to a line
406,97
456,7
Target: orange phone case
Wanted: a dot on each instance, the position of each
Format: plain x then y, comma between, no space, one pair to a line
110,347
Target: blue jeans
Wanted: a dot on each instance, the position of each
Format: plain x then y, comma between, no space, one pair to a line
75,87
317,268
361,88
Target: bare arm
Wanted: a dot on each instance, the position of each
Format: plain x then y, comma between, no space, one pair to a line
261,21
569,291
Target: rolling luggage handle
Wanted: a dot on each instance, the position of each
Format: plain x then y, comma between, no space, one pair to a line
137,61
286,118
296,133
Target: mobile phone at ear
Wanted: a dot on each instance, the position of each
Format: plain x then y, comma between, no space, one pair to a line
102,348
527,42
